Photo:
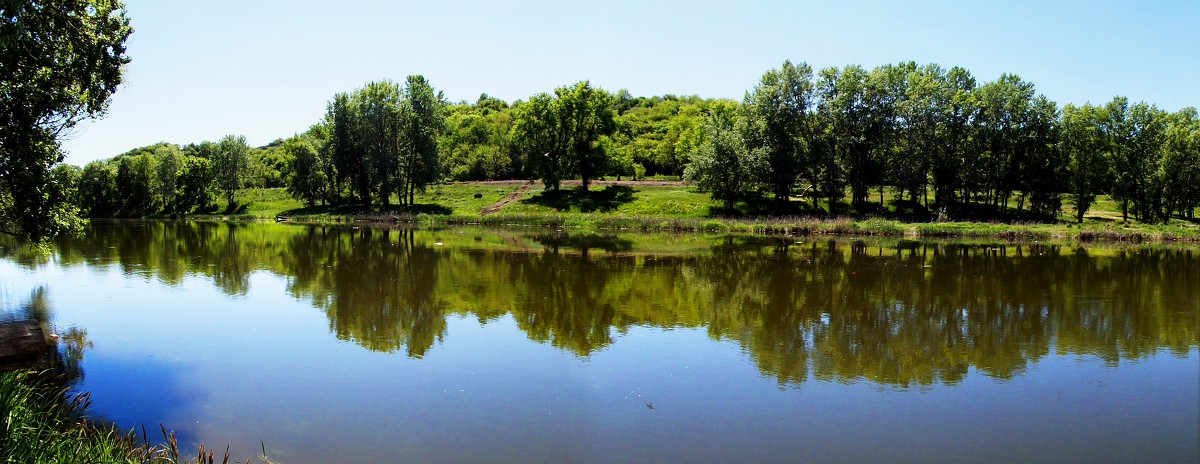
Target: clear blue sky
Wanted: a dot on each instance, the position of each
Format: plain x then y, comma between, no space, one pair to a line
266,68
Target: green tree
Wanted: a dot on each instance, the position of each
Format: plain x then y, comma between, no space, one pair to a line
304,177
195,184
170,161
1137,134
947,164
1180,169
98,189
423,120
539,132
588,113
350,166
61,63
135,184
377,125
566,129
723,165
229,165
780,118
1085,146
1003,108
1042,175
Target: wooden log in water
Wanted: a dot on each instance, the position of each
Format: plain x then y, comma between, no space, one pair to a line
22,344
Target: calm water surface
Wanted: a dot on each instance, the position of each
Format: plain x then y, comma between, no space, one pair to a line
329,344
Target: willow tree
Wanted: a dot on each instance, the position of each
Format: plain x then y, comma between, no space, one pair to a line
61,62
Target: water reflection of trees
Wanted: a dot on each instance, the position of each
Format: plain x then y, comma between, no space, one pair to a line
62,362
899,314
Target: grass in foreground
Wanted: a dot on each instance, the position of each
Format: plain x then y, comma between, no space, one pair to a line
42,422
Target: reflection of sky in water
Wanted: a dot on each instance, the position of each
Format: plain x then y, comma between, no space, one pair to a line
263,367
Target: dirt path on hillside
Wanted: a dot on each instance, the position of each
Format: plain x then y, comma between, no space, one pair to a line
511,197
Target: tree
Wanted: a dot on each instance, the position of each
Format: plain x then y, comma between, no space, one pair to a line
1136,134
423,120
537,131
779,114
1180,169
170,160
62,62
135,184
1042,169
947,164
723,164
377,125
566,129
1003,109
229,165
346,157
1085,147
588,112
195,183
98,189
304,177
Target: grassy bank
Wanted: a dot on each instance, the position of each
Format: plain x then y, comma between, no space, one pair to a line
41,421
677,207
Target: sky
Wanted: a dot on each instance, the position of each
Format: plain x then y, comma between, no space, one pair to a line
265,69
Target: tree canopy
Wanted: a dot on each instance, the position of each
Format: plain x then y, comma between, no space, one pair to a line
61,61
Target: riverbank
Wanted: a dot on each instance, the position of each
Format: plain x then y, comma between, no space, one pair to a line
675,207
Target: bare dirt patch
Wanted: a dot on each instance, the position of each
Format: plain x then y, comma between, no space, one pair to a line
511,197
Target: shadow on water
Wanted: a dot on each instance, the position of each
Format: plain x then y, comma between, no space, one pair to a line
604,200
420,208
583,242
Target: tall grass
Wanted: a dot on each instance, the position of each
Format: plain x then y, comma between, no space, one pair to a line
42,421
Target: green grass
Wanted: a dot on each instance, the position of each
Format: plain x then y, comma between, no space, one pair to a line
42,423
678,208
460,197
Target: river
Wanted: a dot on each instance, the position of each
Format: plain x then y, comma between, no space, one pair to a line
344,344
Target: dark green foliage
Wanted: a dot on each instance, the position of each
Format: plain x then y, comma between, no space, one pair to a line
305,180
781,123
1085,146
561,134
422,121
383,139
98,189
229,164
195,184
724,165
61,62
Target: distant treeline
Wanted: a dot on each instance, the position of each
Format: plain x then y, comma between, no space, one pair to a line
935,138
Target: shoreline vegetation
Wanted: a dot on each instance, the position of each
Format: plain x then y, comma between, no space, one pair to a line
673,206
47,422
